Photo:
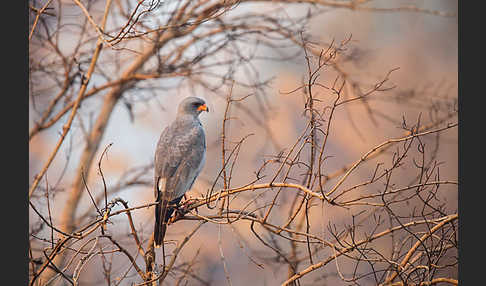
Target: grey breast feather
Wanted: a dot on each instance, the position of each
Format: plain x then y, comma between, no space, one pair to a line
180,157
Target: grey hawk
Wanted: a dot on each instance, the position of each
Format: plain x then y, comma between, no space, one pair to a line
179,158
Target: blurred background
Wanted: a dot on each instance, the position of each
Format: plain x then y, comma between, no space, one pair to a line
422,44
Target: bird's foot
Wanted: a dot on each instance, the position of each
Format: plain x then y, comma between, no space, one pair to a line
184,207
189,202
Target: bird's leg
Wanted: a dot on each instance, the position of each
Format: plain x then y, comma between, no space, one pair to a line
188,202
180,209
183,208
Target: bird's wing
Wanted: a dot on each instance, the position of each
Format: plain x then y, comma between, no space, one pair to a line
179,159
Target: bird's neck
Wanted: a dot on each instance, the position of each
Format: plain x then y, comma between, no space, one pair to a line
187,117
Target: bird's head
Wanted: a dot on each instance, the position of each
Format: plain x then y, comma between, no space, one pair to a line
192,106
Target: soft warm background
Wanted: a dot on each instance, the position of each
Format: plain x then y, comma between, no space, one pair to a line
422,45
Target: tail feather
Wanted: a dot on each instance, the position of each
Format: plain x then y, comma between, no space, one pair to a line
163,212
161,219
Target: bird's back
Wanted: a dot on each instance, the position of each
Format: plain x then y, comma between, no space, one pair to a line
180,155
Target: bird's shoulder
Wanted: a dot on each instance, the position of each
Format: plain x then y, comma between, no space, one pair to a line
181,139
180,130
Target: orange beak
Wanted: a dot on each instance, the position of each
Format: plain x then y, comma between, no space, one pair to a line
203,108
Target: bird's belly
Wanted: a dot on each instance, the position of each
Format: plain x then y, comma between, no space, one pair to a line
191,178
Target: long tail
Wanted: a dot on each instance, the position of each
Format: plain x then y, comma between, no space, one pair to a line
159,227
163,212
